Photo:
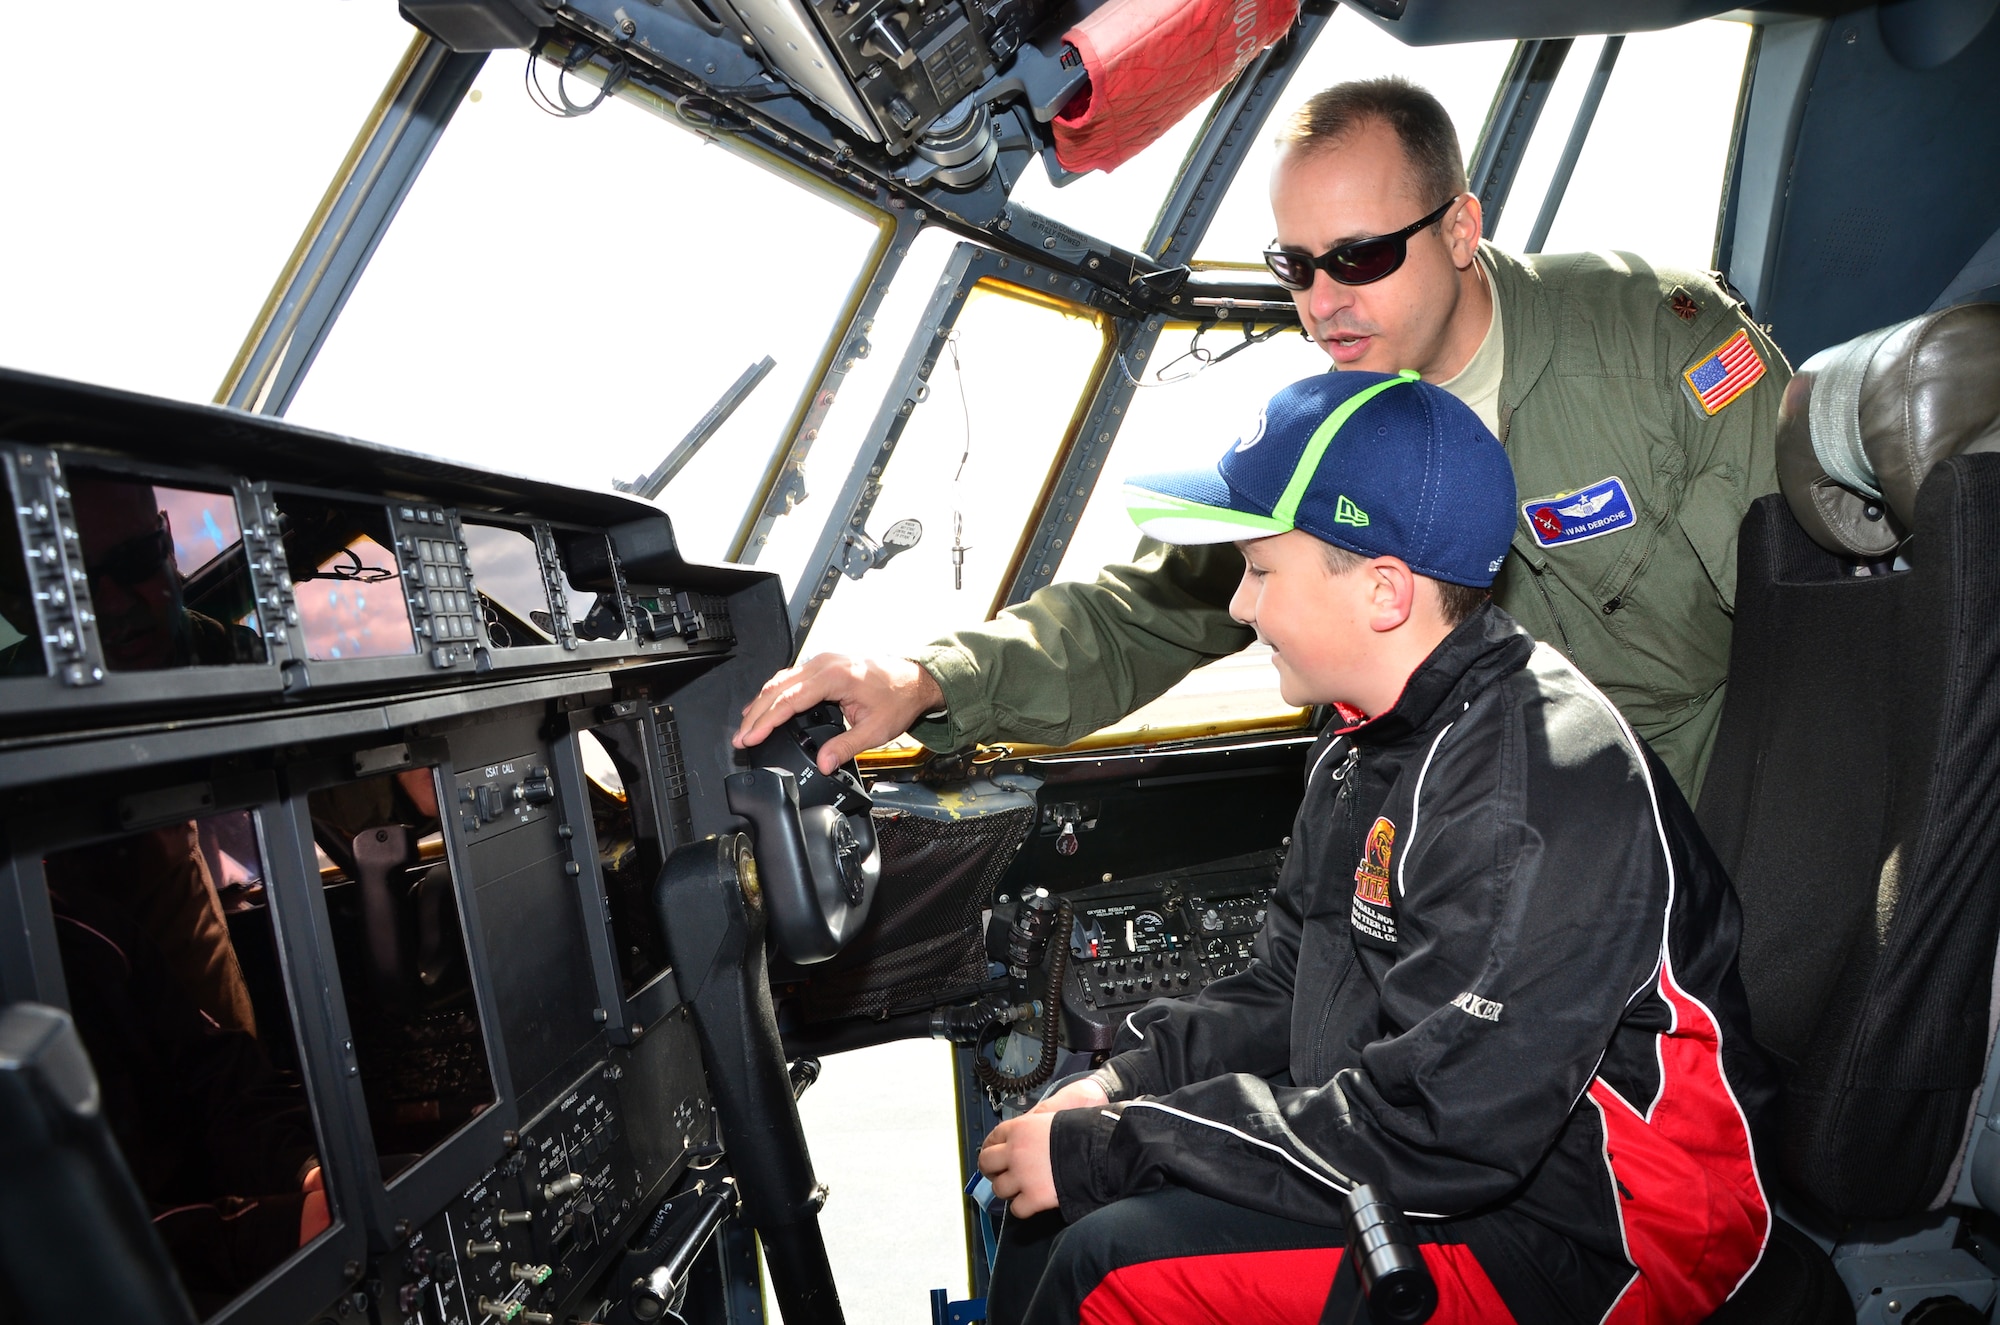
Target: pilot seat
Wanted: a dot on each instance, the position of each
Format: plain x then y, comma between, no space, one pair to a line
1852,794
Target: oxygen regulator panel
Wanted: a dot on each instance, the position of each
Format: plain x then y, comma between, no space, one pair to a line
1167,935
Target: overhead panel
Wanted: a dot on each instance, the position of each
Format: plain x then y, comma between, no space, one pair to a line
1442,22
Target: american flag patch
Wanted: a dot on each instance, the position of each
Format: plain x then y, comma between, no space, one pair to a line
1729,370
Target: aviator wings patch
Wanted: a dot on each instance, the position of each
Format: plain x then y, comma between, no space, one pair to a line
1605,507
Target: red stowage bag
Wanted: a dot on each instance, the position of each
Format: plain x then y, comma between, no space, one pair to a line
1151,62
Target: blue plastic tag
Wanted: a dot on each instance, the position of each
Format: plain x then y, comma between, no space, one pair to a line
1572,517
981,1192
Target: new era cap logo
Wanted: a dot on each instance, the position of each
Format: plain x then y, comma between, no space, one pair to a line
1256,433
1346,512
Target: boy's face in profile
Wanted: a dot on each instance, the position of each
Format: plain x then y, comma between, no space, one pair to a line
1316,620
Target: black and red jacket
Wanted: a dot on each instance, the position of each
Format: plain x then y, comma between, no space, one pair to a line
1499,973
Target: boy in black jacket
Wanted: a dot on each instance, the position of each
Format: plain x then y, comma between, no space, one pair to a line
1498,978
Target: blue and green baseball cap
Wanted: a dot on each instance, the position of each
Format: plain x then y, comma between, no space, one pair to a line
1375,464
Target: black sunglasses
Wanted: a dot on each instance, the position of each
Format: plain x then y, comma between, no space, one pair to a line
1358,263
135,560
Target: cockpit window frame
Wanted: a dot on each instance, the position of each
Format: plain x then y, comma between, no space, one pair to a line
971,268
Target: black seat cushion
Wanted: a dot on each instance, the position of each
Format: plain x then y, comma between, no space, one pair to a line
1795,1284
1854,795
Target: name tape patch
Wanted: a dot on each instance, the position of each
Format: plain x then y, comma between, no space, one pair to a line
1572,517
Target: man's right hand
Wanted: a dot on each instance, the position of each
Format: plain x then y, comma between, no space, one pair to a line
880,697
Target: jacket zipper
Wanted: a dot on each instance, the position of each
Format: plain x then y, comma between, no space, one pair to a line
1345,773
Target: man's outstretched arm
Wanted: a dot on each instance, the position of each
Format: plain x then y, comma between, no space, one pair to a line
1071,659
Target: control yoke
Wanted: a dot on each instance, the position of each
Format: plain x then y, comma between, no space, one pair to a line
816,850
712,907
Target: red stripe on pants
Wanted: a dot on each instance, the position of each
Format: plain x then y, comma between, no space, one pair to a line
1279,1287
1694,1211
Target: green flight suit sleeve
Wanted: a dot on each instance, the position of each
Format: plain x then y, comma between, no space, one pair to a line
1731,459
1077,656
1732,454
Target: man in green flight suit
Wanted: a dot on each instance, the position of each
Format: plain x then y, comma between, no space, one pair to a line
1637,405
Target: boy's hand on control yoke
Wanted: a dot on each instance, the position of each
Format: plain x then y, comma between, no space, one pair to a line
1015,1158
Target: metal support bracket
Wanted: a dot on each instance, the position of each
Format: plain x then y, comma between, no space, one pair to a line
822,570
1524,90
784,484
1579,130
652,485
392,147
1891,1269
1070,493
1212,162
861,553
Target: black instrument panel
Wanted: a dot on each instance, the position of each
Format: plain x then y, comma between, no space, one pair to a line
165,553
545,1221
336,785
1166,935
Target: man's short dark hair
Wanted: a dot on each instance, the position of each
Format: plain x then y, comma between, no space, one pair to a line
1437,168
1456,602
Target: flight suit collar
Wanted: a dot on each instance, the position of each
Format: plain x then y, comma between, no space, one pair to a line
1487,644
1528,328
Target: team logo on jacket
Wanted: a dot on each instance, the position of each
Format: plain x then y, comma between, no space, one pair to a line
1572,517
1371,876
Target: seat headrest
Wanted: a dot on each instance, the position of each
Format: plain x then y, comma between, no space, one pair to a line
1862,424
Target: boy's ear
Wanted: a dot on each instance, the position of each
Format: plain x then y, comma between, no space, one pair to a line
1392,587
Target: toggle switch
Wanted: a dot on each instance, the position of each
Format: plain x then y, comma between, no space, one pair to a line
567,1185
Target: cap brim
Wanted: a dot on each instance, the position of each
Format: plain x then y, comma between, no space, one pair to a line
1193,506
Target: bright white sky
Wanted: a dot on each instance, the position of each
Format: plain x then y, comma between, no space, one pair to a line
565,298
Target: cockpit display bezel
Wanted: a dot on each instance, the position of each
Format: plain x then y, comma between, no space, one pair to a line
59,818
588,544
458,1160
656,751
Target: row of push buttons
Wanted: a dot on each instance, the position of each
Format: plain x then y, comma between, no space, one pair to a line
1156,962
1168,981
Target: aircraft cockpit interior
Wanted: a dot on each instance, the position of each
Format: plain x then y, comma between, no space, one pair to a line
392,929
